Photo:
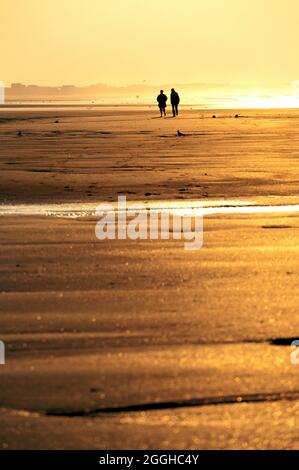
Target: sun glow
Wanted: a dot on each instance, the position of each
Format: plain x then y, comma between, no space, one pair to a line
269,102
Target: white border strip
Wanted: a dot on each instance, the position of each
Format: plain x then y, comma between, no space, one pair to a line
2,93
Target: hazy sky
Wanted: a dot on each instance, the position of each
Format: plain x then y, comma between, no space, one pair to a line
161,41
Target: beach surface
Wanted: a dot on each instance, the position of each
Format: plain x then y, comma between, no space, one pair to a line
79,155
141,344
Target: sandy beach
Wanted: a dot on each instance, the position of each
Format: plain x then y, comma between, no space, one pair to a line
96,154
142,344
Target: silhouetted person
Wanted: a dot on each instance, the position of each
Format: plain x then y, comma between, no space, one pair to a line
162,102
175,100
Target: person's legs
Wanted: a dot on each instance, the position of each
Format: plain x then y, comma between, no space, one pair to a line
161,110
173,110
177,109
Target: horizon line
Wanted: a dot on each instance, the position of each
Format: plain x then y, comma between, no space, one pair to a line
145,85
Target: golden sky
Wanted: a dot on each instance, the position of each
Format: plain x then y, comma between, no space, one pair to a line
158,41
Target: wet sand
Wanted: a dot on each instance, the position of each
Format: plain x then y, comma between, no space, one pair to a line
123,344
96,154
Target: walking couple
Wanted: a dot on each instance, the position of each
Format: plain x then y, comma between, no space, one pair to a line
174,100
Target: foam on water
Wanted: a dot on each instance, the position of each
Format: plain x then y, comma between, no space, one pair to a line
217,207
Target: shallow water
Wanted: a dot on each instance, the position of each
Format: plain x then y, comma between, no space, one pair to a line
203,208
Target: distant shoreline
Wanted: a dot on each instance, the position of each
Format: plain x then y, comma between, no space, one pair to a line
83,104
